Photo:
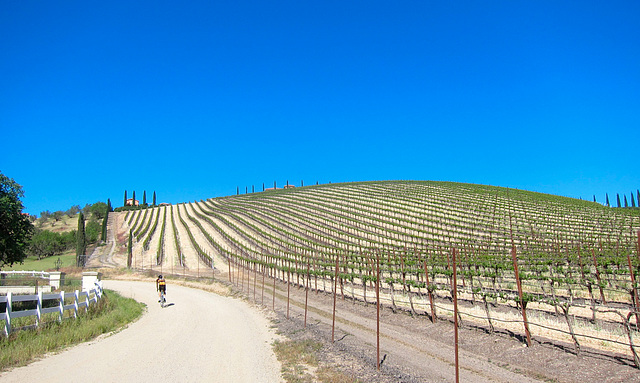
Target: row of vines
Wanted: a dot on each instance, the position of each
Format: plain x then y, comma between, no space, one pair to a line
571,265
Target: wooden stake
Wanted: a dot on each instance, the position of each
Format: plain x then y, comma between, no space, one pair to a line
455,314
306,294
335,286
378,310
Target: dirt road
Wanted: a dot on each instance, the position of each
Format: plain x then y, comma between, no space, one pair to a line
199,337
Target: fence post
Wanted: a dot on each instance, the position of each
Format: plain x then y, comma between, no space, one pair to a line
39,309
61,305
7,322
75,303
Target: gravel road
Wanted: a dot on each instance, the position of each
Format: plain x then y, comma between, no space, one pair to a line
199,337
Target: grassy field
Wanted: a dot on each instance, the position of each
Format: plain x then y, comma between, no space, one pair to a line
67,259
66,223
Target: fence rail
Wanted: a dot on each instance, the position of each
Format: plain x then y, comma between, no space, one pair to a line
76,299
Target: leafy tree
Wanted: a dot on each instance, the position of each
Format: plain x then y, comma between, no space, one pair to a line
45,243
86,210
98,210
57,215
45,215
73,210
92,231
15,227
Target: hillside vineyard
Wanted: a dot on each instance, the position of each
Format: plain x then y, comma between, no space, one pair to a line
571,254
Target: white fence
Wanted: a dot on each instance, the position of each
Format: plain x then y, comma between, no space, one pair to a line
52,280
80,299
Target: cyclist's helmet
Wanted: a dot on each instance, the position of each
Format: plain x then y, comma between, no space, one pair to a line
160,276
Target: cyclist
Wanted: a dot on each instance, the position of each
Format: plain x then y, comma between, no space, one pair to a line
161,287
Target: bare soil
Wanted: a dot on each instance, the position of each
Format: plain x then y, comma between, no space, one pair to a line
413,349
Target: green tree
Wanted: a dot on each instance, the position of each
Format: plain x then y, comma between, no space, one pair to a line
144,198
15,227
104,226
154,198
98,210
57,215
45,243
81,241
92,231
73,210
125,198
130,249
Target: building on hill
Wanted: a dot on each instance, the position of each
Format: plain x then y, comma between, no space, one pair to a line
132,202
288,186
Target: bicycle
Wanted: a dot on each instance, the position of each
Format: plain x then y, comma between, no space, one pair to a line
163,300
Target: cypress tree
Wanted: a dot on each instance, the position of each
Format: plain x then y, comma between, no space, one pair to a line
130,249
618,197
154,198
133,203
594,198
125,198
607,194
81,241
104,225
633,200
626,204
109,207
144,198
263,186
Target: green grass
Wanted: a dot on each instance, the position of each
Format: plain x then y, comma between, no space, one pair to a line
110,314
33,264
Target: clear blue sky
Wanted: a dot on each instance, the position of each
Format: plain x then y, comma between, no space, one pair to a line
192,99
